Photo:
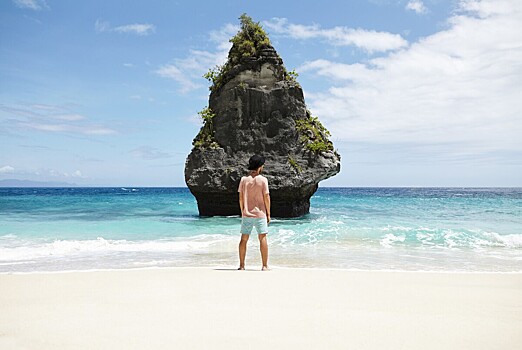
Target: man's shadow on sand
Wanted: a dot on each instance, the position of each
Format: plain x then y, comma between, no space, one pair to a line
232,269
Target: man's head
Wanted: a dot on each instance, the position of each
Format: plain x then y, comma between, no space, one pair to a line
255,162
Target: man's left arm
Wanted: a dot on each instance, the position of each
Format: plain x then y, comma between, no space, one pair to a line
266,199
241,202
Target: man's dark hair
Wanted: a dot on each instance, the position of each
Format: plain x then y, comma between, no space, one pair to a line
255,162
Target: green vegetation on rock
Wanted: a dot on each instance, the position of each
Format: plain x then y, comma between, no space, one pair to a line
206,115
294,164
248,42
215,76
313,134
291,75
205,138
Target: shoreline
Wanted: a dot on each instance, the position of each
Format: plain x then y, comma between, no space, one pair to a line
251,269
285,308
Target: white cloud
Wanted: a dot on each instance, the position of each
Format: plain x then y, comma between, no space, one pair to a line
460,86
417,6
7,169
94,130
50,118
102,26
136,28
182,77
46,107
222,36
46,127
483,9
68,128
68,117
42,112
188,71
40,174
35,5
140,29
149,153
77,173
369,40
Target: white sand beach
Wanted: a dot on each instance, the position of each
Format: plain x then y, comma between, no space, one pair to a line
206,308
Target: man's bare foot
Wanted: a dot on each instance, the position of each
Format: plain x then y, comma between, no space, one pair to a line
241,268
264,268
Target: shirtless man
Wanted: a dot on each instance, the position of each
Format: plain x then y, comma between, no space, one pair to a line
254,200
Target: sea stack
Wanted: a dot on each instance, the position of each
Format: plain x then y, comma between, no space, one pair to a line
257,107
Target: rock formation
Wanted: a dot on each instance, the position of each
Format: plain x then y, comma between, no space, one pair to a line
257,107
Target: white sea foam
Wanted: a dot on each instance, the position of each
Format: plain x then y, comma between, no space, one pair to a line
510,241
452,239
284,236
389,239
152,262
67,248
397,228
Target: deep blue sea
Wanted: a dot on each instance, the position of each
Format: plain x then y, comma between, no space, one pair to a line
428,229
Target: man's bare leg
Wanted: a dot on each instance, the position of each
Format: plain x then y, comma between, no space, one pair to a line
242,251
263,246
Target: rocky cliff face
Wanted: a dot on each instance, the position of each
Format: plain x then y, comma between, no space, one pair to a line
256,107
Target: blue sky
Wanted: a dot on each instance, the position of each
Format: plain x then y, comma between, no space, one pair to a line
415,93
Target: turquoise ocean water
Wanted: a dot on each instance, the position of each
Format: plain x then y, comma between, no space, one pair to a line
428,229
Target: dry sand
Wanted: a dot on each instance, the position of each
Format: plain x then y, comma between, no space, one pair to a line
205,308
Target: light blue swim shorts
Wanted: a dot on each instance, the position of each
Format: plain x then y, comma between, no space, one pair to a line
247,224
